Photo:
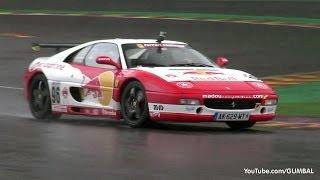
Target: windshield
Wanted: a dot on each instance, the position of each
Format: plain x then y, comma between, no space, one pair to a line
164,55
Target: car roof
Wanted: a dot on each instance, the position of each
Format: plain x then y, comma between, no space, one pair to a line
133,41
62,55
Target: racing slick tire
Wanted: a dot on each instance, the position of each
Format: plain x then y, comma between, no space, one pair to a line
240,125
134,105
40,99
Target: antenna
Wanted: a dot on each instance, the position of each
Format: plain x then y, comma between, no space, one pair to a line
161,37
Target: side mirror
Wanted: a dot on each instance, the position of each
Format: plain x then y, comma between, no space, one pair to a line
221,61
108,61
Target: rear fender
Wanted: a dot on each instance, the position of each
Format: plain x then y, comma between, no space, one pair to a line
27,78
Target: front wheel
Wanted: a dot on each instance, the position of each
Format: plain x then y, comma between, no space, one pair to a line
40,102
134,105
240,125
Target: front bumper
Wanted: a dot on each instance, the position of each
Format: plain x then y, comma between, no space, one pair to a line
159,110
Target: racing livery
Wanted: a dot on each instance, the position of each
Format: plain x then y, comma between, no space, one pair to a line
142,81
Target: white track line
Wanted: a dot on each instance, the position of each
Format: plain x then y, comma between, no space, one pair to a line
19,115
8,87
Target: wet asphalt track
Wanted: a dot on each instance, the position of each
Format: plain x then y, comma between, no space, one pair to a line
83,148
291,8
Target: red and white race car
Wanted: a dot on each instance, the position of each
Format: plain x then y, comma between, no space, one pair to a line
143,81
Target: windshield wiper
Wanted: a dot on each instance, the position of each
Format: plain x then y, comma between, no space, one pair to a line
193,64
151,65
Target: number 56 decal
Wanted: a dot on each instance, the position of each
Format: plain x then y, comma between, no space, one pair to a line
55,93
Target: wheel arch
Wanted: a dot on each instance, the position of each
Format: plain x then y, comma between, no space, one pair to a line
125,83
45,112
143,119
28,79
122,87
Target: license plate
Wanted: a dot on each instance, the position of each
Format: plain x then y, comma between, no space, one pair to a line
232,116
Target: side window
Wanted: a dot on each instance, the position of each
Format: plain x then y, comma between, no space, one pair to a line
79,56
102,49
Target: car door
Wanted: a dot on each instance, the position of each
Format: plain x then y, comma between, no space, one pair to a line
97,86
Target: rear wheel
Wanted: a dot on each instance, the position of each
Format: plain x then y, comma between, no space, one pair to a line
134,105
240,125
40,102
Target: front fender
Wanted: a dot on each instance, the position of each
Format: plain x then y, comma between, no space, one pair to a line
150,81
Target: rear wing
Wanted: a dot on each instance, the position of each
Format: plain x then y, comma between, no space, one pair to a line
57,46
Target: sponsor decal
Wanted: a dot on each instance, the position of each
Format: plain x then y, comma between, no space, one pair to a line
95,112
108,112
55,93
107,80
260,85
116,83
171,75
158,107
151,45
59,108
47,65
220,96
184,84
210,78
202,72
179,69
155,114
99,112
257,106
87,111
101,87
65,92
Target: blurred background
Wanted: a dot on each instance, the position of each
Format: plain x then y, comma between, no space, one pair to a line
277,41
294,8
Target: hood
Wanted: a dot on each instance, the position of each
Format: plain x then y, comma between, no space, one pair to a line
195,74
207,79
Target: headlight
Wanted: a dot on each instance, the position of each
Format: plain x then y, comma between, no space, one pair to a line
270,102
189,102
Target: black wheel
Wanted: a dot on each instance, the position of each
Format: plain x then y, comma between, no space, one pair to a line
240,125
134,105
40,102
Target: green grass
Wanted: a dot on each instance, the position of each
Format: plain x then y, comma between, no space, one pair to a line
300,100
212,16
